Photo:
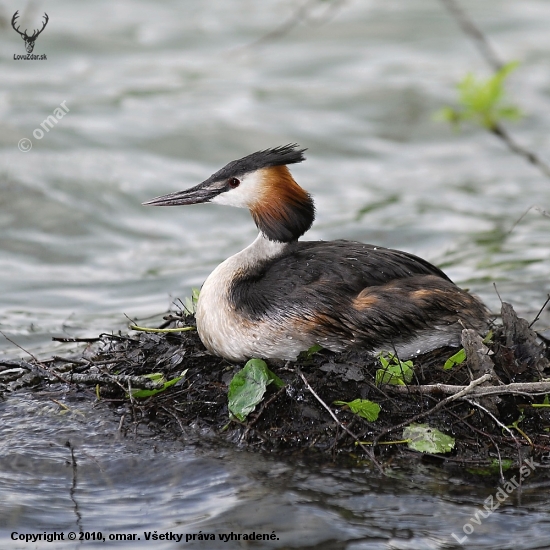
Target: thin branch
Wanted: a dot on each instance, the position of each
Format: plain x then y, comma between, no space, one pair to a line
17,345
178,419
463,391
345,428
532,207
71,339
484,434
301,14
456,392
139,382
531,157
475,403
469,28
540,312
264,406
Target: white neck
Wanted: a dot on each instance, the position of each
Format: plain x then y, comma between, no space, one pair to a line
261,249
219,326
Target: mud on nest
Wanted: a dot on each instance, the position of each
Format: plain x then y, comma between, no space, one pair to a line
490,421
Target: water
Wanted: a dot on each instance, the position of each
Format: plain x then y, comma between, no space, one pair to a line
162,95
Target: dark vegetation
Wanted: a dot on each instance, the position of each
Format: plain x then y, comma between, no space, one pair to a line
493,403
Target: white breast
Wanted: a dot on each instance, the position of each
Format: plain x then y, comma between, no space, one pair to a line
223,330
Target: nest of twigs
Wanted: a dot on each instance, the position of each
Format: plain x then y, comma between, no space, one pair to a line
492,404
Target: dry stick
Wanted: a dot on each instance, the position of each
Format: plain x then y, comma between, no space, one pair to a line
178,420
85,362
499,423
250,425
245,425
74,339
522,388
540,312
476,404
485,434
39,365
464,391
20,347
355,438
121,423
139,382
265,405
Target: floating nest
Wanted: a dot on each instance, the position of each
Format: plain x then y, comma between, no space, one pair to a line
493,404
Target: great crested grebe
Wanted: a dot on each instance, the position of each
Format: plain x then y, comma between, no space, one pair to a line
280,296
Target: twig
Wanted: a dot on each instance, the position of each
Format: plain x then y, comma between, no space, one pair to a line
121,423
369,452
17,345
472,30
462,392
264,406
139,382
178,420
40,366
484,434
475,403
497,292
540,311
520,388
469,28
532,207
531,157
70,339
302,13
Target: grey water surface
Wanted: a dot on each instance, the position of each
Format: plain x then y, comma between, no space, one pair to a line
160,95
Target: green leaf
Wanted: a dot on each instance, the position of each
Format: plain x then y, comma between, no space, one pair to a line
191,302
394,371
448,114
456,359
425,439
154,376
509,112
247,388
159,378
362,407
308,354
481,100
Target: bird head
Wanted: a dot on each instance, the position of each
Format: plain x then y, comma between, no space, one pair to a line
261,182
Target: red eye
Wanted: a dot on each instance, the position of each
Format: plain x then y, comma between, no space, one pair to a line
234,182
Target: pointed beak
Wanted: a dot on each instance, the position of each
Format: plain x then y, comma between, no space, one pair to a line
204,192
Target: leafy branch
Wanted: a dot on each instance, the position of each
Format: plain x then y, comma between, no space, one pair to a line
482,101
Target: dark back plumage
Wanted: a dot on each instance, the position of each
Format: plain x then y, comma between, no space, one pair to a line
345,268
346,294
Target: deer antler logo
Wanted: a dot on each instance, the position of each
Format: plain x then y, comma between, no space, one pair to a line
29,40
